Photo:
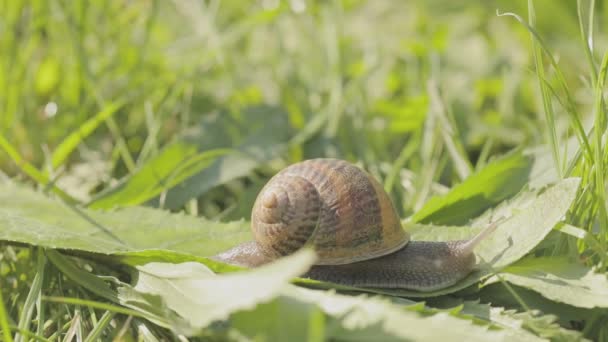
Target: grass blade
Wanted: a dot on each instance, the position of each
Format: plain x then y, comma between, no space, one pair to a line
69,144
31,170
406,153
97,305
587,39
75,327
177,163
448,133
600,122
6,329
100,326
571,108
144,332
546,95
29,334
33,296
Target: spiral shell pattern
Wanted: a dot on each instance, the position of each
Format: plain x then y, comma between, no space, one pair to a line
331,204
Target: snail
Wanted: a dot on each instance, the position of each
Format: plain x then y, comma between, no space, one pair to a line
348,218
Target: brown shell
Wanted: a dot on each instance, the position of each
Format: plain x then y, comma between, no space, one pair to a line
336,206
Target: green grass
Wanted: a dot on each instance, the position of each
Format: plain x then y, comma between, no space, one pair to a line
190,106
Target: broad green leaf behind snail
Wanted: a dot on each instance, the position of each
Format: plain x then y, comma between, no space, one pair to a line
348,218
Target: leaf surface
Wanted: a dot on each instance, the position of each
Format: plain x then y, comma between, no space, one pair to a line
198,296
29,217
499,180
218,150
560,280
377,319
520,325
261,304
568,316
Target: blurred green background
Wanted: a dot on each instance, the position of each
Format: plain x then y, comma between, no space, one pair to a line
352,79
193,105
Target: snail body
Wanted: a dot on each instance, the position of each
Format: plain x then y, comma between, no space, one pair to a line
348,218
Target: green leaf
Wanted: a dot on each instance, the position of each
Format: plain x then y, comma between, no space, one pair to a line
367,318
520,325
285,318
560,280
260,303
568,316
499,180
174,165
303,314
137,258
220,149
198,297
543,170
31,218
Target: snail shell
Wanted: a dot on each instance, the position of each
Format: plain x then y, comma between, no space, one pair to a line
333,205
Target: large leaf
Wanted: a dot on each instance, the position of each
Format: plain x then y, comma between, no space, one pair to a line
519,323
218,150
171,167
560,280
361,318
519,326
29,217
187,297
499,180
198,297
261,305
568,316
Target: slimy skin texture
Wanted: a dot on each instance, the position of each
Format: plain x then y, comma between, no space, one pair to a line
421,266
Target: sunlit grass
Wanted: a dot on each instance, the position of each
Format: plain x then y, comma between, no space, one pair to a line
421,94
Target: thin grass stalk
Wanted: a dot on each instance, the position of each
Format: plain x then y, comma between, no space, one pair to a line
599,130
448,132
29,334
31,171
100,326
97,305
546,95
33,296
587,38
571,108
6,329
